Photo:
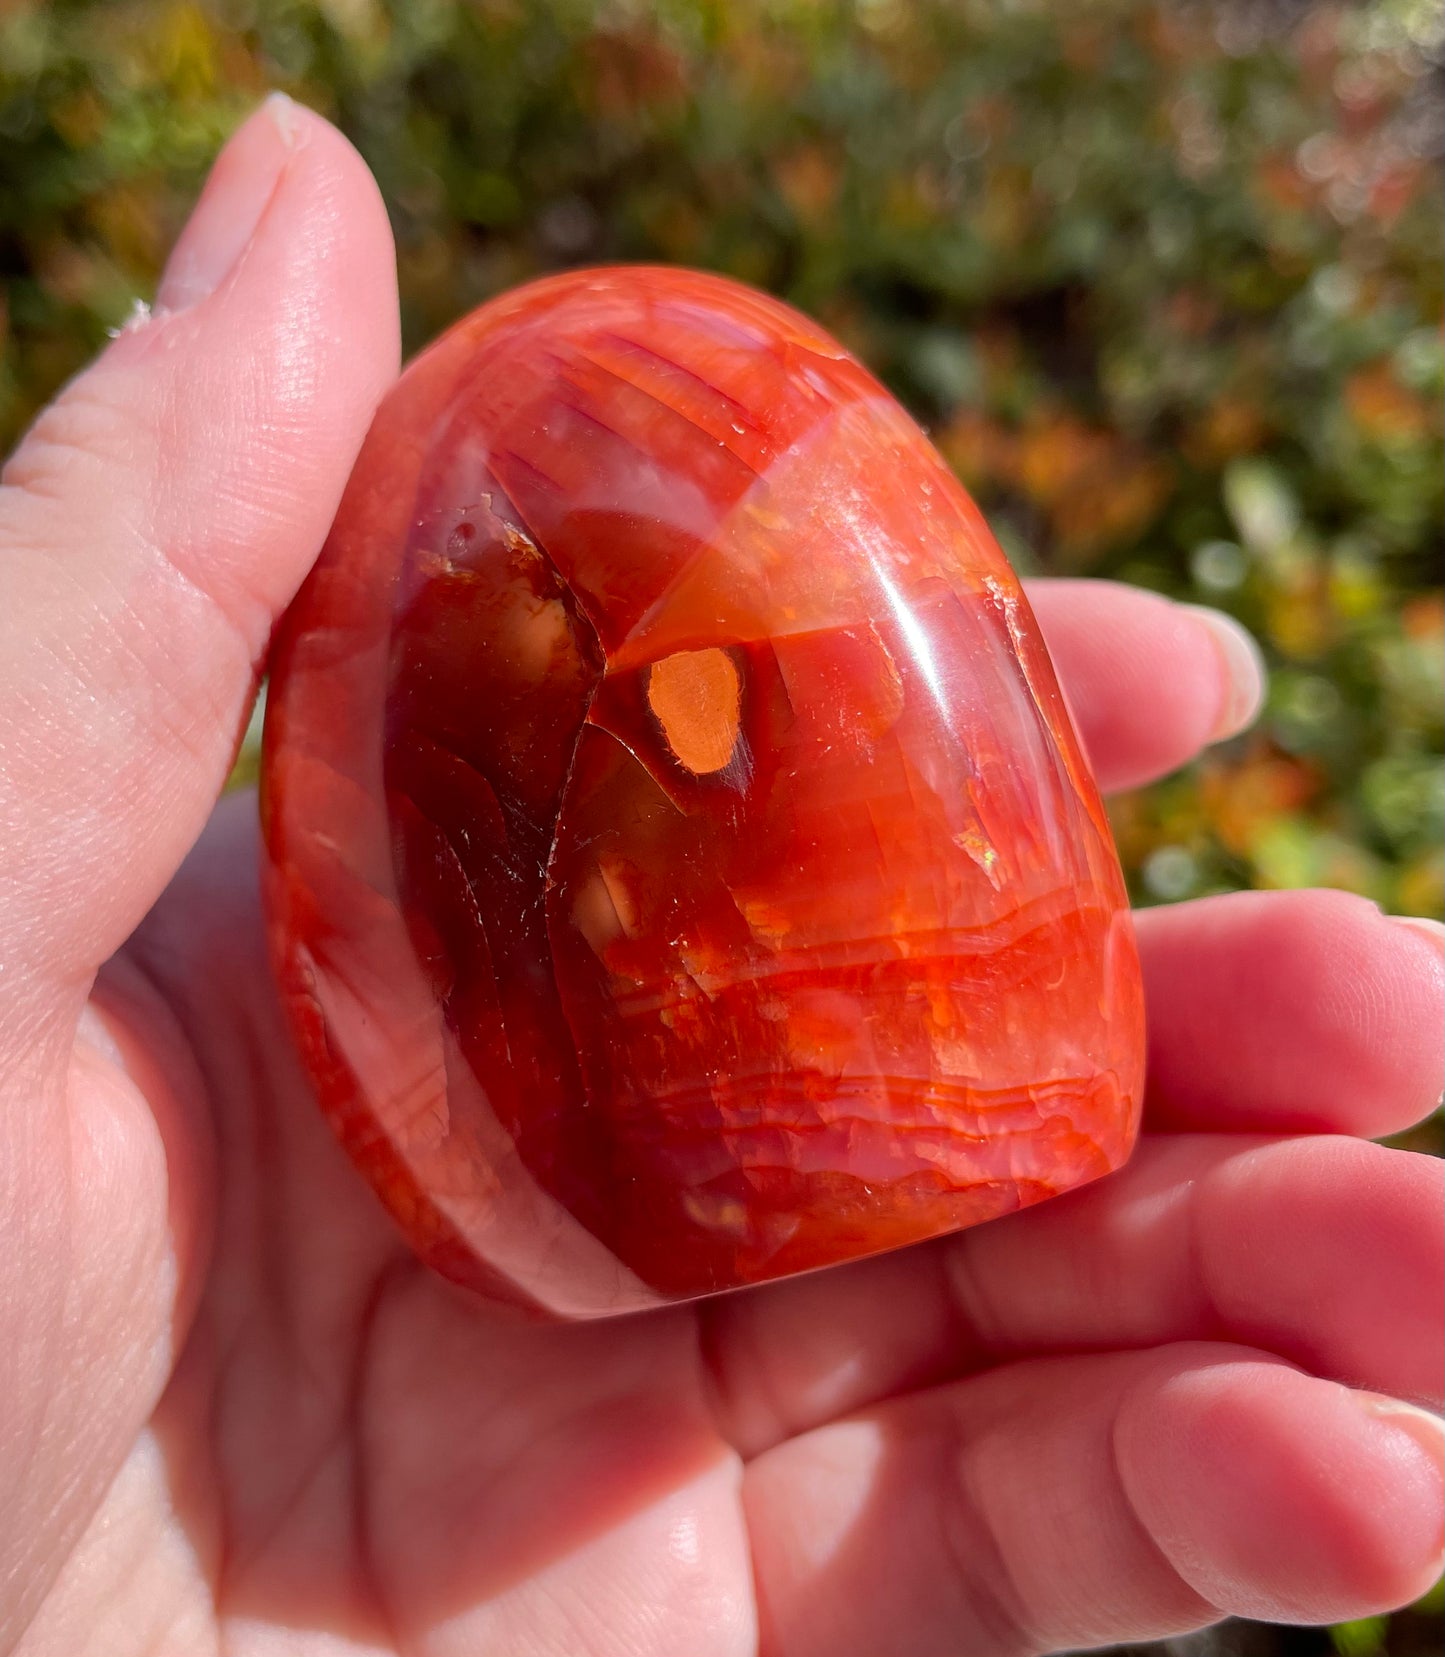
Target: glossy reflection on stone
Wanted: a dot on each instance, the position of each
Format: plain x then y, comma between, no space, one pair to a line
681,868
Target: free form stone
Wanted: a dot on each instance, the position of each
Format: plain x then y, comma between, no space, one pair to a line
681,869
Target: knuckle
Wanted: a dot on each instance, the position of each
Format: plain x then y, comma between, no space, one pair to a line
86,434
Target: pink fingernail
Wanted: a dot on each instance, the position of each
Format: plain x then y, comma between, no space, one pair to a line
1433,932
96,1034
1244,671
241,184
1424,1429
1423,1426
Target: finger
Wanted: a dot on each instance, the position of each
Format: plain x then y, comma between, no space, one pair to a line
1150,682
161,513
1080,1501
150,525
1325,1251
1280,1011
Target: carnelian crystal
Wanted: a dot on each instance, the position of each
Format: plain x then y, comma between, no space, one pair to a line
681,868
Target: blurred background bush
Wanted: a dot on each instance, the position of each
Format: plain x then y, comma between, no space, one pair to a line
1164,281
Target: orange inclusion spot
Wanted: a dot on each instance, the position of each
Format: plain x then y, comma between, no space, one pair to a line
697,696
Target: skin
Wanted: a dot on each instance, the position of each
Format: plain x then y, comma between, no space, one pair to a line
239,1418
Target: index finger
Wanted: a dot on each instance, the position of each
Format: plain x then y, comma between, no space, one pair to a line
1150,682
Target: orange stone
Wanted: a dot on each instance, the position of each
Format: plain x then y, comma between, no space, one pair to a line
681,868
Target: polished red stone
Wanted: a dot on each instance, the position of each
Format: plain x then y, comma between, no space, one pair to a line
681,868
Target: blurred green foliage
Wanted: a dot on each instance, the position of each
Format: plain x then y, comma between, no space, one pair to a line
1164,280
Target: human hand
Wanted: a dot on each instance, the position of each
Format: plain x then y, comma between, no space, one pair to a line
238,1416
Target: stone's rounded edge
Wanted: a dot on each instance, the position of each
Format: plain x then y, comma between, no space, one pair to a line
608,1209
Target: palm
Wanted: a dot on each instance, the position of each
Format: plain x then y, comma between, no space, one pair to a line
382,1458
350,1447
239,1418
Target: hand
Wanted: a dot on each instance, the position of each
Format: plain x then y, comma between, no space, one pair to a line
239,1417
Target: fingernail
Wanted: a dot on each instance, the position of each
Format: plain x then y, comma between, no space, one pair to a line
1244,671
1424,1426
1424,1429
1433,932
95,1033
241,184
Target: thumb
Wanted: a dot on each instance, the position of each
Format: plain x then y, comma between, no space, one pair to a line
159,516
152,524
